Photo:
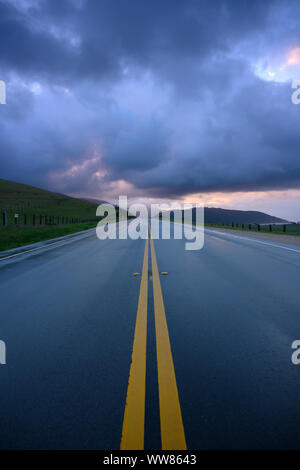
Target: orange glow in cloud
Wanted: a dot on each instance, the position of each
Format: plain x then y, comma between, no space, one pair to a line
233,200
74,170
90,164
280,69
293,57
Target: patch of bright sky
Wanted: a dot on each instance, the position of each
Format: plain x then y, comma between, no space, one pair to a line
284,204
280,67
36,88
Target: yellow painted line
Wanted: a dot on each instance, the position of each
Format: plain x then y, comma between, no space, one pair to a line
171,425
134,415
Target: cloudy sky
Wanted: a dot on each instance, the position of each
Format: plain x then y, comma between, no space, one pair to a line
186,100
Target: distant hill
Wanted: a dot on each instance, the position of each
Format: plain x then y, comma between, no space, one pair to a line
94,201
25,199
228,216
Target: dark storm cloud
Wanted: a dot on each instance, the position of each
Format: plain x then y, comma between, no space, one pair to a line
257,149
26,49
162,94
138,147
111,32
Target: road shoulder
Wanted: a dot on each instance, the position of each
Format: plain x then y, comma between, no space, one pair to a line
289,239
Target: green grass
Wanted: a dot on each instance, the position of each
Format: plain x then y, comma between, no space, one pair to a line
29,201
13,237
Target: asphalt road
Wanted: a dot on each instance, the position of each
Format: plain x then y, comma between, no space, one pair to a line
219,328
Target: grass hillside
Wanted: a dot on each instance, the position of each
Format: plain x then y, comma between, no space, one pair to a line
24,199
43,215
227,216
243,220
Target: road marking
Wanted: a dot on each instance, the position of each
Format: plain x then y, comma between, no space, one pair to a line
134,415
171,425
61,242
253,240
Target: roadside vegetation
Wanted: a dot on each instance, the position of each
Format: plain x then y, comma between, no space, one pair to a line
41,215
13,237
16,198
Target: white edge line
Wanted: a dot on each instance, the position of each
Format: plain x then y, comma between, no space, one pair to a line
62,242
253,240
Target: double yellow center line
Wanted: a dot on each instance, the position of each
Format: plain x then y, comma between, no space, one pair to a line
171,425
134,416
